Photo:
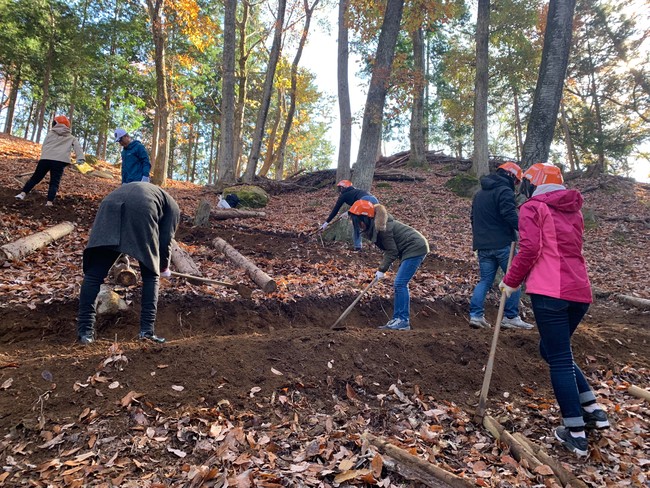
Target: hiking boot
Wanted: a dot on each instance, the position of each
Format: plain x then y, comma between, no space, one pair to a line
515,323
148,336
357,249
577,445
479,323
21,196
85,340
396,324
596,419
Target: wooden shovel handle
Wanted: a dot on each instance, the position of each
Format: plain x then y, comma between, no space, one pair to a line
241,289
349,309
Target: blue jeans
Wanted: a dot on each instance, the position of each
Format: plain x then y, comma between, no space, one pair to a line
101,261
489,262
402,301
557,320
356,232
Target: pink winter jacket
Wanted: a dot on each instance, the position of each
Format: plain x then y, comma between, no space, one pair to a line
550,256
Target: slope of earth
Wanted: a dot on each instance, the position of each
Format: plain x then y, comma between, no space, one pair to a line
260,391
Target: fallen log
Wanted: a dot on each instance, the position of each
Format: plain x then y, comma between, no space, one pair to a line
264,281
411,466
566,477
22,247
122,274
636,302
233,213
183,262
243,290
639,392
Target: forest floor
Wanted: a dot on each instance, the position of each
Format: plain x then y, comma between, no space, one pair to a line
261,392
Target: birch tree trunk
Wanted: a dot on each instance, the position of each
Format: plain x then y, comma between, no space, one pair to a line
550,82
373,114
343,89
480,157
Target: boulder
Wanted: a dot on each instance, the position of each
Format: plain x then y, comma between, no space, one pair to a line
249,195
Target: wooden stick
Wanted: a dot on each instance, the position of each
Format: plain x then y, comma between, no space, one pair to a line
519,452
243,290
441,477
349,309
639,392
482,402
264,281
334,221
22,247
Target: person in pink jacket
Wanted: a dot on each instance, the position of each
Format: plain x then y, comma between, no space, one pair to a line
551,263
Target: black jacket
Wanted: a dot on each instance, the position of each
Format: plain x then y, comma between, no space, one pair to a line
494,213
349,195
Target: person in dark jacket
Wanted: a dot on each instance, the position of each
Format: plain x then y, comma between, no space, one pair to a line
348,194
552,264
135,159
494,227
55,156
398,241
138,219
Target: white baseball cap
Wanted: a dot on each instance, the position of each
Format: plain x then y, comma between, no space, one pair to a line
119,133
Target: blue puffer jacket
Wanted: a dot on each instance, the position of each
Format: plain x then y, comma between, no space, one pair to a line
135,162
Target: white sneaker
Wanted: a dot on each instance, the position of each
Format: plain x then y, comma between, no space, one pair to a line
479,323
515,323
21,195
49,204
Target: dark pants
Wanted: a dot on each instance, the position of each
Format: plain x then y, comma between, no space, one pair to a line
55,168
556,321
100,260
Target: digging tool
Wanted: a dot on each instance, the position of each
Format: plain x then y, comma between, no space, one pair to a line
482,402
334,221
243,290
336,326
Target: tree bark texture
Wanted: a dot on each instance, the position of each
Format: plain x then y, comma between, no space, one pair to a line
183,262
22,247
480,157
264,281
550,82
267,91
202,215
373,114
418,122
226,156
13,97
343,90
233,213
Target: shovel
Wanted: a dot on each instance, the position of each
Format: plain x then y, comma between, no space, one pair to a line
482,402
336,325
243,290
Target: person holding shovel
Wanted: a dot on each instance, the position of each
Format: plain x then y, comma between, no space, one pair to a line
348,194
138,219
494,227
55,156
550,260
397,241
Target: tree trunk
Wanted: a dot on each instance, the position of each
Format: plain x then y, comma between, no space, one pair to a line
269,158
13,97
373,114
157,18
267,91
211,159
22,247
293,91
188,157
418,146
550,82
264,281
481,156
600,137
567,138
29,117
242,84
343,89
226,157
49,60
519,142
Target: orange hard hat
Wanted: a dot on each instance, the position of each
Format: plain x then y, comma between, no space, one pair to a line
344,184
363,207
62,119
544,174
512,168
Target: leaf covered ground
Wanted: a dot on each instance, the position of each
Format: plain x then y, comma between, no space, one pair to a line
260,391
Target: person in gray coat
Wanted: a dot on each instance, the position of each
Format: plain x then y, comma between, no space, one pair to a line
138,219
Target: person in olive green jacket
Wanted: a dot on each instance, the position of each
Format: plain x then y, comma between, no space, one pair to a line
397,240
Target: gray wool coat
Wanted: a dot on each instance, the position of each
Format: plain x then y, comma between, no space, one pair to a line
138,219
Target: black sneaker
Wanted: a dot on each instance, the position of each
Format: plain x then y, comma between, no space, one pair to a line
577,445
152,338
596,419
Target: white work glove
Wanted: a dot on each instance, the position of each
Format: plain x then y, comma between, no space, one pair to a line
379,275
166,273
324,225
145,179
507,289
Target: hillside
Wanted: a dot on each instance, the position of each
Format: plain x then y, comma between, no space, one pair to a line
260,391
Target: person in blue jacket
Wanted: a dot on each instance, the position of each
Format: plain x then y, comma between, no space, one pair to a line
135,160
